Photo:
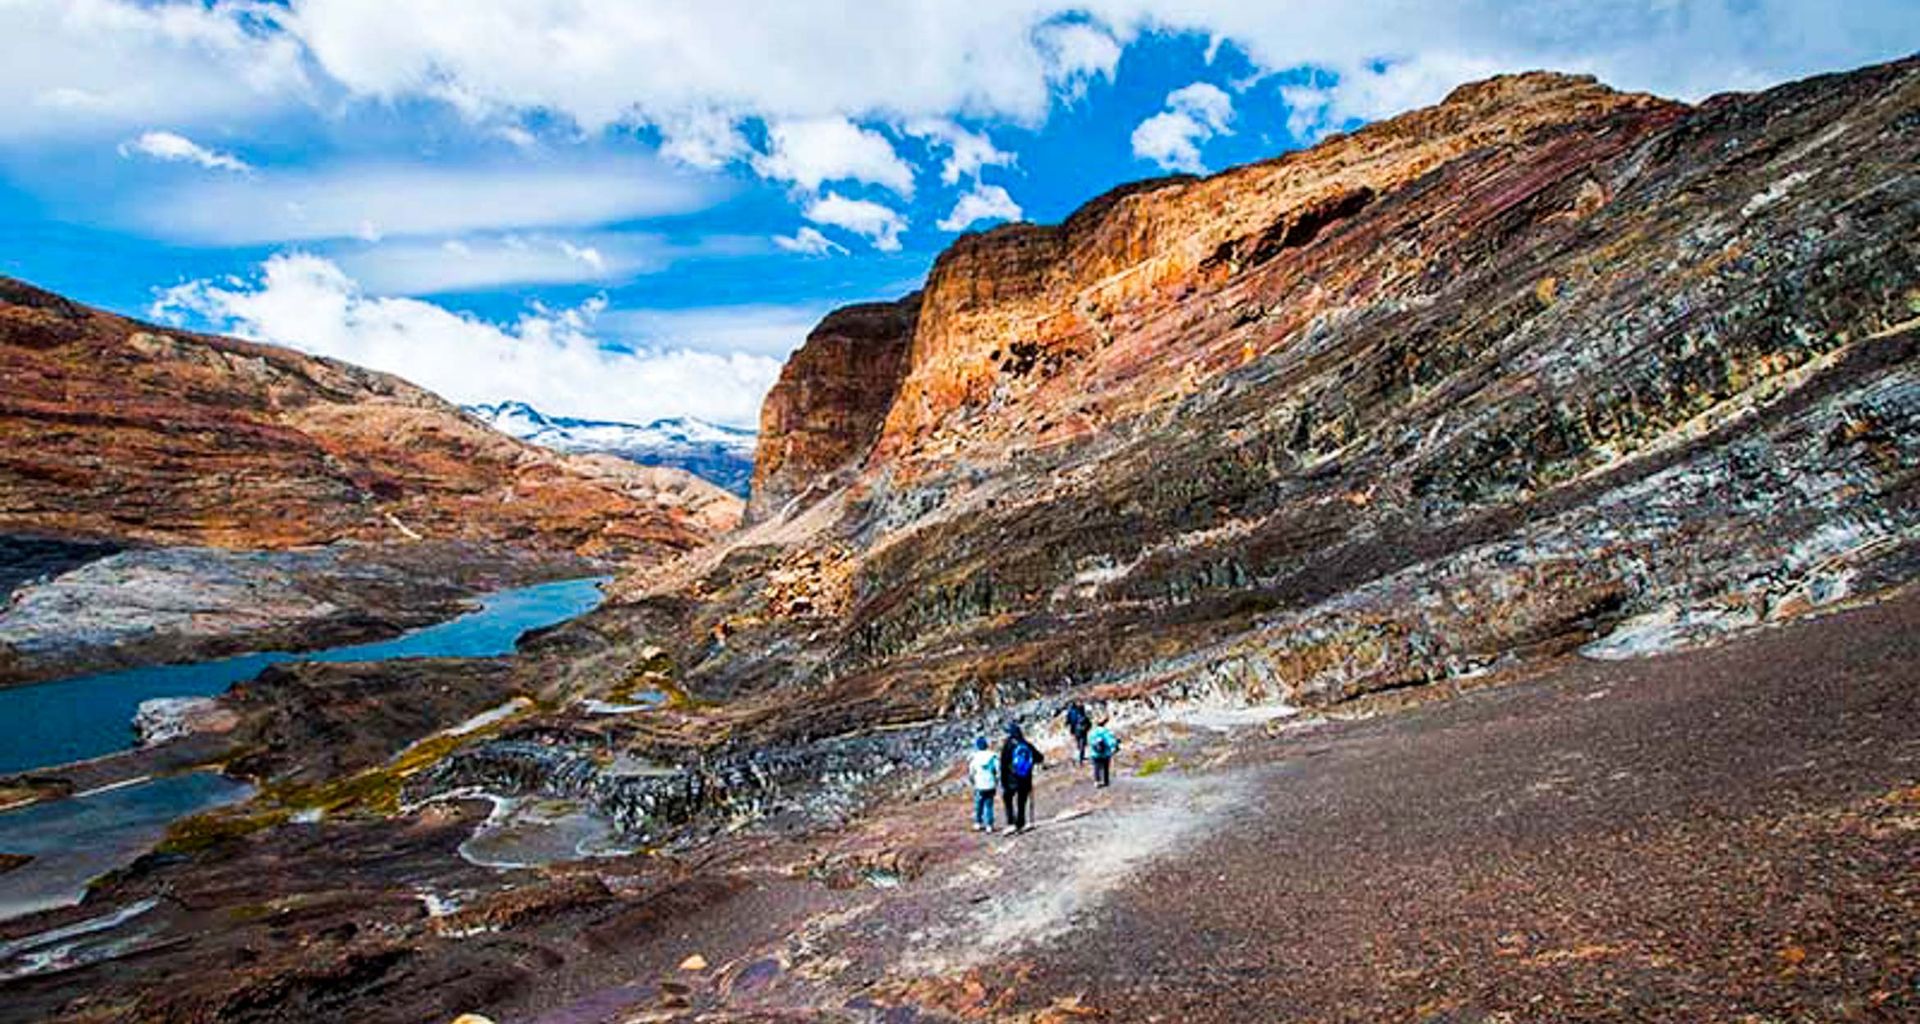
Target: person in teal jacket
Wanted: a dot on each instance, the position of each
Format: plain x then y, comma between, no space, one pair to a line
1101,746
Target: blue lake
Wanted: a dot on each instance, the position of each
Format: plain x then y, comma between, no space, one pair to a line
77,839
86,716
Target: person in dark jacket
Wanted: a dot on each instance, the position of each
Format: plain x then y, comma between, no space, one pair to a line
1079,723
1019,759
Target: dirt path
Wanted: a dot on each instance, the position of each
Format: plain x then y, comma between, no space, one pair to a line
1724,835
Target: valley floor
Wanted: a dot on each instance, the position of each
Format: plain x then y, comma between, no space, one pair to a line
1731,834
1724,835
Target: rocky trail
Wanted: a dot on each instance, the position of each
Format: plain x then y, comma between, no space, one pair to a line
1721,835
1727,834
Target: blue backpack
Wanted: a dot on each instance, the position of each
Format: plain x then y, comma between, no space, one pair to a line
1023,761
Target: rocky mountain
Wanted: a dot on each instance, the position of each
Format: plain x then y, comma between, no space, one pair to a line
1544,367
117,434
823,414
113,428
1597,413
715,453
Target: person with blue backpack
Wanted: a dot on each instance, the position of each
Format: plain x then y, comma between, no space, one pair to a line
1079,723
1019,759
983,773
1103,744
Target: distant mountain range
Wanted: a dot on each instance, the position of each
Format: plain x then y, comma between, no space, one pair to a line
722,455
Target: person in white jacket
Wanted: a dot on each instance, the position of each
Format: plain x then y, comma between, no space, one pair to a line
983,772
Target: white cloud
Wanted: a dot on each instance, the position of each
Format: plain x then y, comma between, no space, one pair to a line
809,242
178,148
706,139
967,152
376,201
555,360
768,330
984,203
813,152
604,62
423,266
876,222
78,66
1172,138
1205,102
92,68
1077,53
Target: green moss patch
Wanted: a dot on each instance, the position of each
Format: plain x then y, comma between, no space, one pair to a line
1153,766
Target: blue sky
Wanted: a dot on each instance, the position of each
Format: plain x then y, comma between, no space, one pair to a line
628,209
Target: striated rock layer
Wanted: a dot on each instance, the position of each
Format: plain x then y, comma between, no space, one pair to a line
1544,366
825,412
115,429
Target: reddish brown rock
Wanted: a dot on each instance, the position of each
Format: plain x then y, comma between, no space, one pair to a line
1541,366
825,412
1022,298
118,429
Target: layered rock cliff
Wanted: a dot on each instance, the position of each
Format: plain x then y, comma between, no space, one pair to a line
1544,366
115,429
825,412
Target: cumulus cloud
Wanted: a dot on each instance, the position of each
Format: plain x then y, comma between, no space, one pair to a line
72,65
967,152
555,359
984,203
1076,54
876,222
100,67
178,148
813,152
809,242
386,200
1172,138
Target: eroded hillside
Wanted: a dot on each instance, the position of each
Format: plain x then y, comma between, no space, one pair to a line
112,428
1544,366
198,475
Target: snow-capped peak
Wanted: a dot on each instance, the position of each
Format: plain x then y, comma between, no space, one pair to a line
719,453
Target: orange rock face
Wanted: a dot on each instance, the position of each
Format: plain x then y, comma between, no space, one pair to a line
1015,306
826,410
113,428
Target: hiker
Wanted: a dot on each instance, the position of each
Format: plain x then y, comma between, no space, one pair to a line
983,771
1104,744
1078,722
1018,761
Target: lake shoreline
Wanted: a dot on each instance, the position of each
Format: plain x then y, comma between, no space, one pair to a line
86,718
143,786
146,607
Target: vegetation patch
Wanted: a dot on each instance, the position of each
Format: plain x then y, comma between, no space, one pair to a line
1153,766
375,791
